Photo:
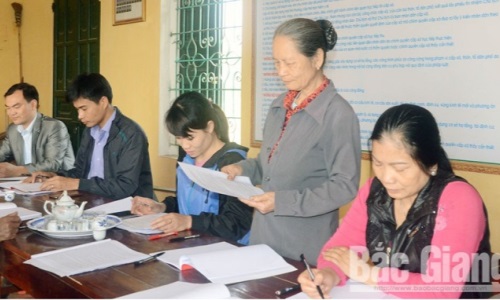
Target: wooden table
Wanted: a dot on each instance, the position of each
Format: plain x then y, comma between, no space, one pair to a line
115,281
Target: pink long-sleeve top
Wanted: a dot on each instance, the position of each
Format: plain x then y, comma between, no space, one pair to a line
460,225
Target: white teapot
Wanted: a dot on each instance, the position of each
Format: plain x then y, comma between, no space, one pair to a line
65,208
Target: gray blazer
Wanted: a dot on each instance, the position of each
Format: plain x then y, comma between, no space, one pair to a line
315,170
51,148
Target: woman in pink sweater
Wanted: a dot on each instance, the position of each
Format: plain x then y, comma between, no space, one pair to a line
415,230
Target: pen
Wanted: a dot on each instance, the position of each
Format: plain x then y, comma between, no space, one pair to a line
311,275
152,257
182,238
159,236
288,289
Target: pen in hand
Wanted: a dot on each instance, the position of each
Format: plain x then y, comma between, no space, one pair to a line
288,289
311,274
151,258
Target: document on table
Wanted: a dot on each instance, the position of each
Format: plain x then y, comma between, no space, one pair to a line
18,179
23,213
225,263
86,257
24,188
216,181
124,204
352,290
184,290
141,224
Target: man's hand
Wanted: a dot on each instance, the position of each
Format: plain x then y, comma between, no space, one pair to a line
10,170
59,183
9,226
39,176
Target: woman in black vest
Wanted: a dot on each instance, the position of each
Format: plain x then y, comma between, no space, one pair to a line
415,230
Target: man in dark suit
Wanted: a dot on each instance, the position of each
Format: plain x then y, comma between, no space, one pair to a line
34,142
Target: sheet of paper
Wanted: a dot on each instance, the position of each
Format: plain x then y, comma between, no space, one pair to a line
351,290
85,258
141,224
216,181
19,179
25,214
183,290
24,188
172,257
114,206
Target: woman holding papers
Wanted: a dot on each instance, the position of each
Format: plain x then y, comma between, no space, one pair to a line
421,229
201,129
309,163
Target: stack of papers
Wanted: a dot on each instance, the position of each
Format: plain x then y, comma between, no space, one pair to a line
215,181
28,189
23,213
85,258
225,263
183,290
13,178
141,224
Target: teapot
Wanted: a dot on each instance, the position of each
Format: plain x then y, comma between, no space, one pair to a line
65,208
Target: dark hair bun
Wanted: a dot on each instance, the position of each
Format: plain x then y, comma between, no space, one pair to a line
330,33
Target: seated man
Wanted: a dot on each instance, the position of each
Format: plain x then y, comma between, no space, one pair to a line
34,142
113,159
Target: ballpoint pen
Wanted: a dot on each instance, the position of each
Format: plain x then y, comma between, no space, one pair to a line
288,289
152,257
311,275
182,238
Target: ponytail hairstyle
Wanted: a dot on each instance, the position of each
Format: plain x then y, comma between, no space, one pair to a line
192,111
309,35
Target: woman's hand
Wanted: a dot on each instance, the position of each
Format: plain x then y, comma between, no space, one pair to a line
145,206
232,171
325,278
172,223
263,203
352,265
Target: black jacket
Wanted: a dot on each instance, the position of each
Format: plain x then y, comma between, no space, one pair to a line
127,169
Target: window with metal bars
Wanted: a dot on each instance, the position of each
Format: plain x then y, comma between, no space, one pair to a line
205,44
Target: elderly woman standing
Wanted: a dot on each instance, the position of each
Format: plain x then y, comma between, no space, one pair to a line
309,161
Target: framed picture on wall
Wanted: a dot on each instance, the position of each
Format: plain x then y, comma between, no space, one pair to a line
128,11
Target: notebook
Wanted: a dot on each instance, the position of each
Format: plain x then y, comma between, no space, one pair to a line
225,263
